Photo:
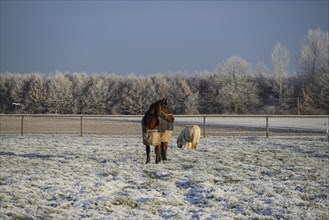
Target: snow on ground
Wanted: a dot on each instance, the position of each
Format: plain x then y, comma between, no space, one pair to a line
105,177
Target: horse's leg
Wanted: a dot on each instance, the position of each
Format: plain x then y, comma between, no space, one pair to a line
157,154
164,147
148,149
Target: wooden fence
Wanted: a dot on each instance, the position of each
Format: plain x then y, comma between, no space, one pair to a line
253,125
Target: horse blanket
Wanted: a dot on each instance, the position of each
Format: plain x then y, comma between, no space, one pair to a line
161,134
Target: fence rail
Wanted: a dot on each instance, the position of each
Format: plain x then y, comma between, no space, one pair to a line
263,125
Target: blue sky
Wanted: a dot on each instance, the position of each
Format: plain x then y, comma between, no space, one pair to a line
145,37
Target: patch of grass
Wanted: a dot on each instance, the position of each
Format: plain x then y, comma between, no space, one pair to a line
311,177
125,201
231,181
23,217
187,166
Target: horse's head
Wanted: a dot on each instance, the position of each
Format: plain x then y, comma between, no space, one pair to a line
164,111
157,110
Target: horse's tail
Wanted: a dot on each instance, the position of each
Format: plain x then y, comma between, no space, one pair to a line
195,133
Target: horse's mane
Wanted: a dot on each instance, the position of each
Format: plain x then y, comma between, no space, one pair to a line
150,114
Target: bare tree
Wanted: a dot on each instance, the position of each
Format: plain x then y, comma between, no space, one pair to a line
136,94
60,98
238,93
209,93
96,95
79,92
36,100
7,85
183,100
161,85
265,83
314,54
113,104
314,64
280,59
324,91
19,90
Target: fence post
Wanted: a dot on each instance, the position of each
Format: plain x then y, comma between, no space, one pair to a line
328,129
204,126
22,125
298,109
81,126
267,127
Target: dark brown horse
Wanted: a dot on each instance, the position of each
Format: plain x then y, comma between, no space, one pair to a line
157,126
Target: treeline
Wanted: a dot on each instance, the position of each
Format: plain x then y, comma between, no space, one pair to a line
233,87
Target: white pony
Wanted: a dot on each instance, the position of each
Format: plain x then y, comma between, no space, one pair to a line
189,137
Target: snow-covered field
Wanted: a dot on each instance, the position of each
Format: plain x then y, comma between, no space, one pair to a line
105,177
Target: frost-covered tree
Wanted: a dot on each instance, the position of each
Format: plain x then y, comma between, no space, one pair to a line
191,103
238,93
280,60
265,82
113,94
137,94
113,102
95,98
161,85
130,89
314,54
7,84
79,92
60,98
14,88
324,92
183,99
197,100
209,92
149,93
36,100
314,65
